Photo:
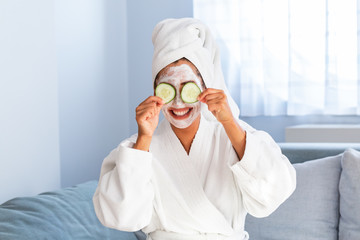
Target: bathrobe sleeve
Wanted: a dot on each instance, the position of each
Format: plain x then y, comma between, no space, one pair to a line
264,175
124,197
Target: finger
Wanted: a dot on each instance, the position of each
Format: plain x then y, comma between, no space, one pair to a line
219,100
214,107
156,99
147,105
152,109
208,91
144,115
214,96
159,101
150,103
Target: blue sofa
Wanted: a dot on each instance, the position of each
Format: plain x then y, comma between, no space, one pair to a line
325,204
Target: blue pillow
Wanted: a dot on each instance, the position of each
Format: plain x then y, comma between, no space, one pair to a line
64,214
349,226
311,212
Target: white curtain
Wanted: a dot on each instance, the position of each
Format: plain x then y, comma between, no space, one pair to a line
288,57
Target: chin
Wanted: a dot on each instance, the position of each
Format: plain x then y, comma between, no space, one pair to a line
184,123
181,126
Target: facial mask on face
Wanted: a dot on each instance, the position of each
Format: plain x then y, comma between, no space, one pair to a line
178,113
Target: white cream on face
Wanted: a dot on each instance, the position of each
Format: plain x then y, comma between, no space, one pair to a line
178,113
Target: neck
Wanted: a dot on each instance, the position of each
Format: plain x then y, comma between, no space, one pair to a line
187,135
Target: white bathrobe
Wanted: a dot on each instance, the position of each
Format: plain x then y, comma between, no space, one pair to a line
204,195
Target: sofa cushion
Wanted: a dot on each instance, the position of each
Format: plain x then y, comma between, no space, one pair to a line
311,212
349,226
64,214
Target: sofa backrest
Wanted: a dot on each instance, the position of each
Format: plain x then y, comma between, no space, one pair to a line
311,212
302,152
325,204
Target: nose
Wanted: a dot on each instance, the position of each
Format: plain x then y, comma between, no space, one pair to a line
177,100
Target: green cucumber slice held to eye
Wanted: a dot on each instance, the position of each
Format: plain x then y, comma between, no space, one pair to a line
165,91
190,92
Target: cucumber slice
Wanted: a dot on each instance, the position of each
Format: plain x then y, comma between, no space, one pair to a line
190,92
165,91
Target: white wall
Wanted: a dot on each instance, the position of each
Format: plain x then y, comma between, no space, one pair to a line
29,130
93,89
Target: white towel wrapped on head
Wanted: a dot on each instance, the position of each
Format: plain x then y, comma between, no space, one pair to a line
189,38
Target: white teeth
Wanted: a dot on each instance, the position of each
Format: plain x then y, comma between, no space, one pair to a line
180,113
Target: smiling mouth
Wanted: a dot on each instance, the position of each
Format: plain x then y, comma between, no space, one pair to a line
180,114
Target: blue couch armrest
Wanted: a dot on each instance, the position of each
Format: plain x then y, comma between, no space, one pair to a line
64,214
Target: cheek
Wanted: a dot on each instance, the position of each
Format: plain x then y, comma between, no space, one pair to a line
197,106
165,107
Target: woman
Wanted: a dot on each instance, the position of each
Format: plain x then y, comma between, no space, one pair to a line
201,170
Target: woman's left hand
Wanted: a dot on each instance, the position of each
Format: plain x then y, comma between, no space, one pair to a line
219,106
217,103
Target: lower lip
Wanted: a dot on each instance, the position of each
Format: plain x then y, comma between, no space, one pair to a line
176,117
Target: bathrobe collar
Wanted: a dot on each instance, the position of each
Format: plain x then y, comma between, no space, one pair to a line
181,165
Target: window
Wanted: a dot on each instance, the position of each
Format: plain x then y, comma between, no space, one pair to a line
288,57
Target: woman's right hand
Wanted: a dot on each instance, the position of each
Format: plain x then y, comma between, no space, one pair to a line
147,118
